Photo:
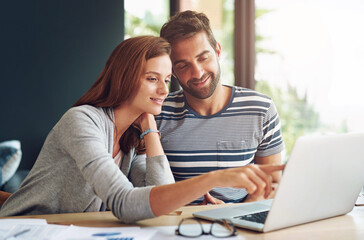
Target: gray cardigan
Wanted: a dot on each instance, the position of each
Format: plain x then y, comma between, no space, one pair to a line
75,172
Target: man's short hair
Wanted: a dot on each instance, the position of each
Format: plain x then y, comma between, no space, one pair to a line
186,24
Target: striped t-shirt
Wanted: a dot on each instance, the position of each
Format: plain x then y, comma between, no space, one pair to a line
247,126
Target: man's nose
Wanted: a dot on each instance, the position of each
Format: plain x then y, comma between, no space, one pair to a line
197,71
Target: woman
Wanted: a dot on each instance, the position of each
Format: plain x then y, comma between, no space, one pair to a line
93,160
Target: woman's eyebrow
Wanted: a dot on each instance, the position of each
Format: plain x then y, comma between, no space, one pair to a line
152,72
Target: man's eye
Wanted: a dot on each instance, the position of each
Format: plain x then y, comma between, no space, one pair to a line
181,66
204,58
168,80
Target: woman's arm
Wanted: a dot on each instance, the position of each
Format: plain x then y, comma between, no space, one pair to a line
276,176
255,178
155,168
273,159
153,144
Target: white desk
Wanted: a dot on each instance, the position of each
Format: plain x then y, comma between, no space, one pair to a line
349,226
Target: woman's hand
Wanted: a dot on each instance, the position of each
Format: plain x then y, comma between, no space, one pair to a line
153,145
256,179
145,121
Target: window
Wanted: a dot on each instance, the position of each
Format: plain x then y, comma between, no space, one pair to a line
310,61
145,17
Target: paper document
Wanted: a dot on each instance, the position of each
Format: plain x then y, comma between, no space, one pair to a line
38,229
95,233
7,224
36,232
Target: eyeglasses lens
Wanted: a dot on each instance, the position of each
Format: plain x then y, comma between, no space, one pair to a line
222,229
190,228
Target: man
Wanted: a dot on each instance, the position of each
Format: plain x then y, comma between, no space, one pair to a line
208,126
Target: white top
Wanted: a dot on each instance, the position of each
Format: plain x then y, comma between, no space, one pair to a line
118,158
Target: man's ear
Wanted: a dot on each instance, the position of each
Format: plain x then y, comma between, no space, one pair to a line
218,50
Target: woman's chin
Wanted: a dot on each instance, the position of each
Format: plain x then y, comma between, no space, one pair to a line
155,112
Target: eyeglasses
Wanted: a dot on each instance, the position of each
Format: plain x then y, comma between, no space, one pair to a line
190,227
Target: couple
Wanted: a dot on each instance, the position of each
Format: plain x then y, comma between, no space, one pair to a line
106,151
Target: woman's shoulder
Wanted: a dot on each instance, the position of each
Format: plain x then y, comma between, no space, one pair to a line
88,111
84,115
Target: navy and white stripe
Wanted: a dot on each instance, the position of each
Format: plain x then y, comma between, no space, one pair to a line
248,126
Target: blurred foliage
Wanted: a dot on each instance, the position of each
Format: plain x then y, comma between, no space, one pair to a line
136,26
149,24
226,38
297,116
259,38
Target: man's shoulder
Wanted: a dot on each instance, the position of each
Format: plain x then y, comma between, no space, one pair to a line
174,100
246,92
173,107
175,96
248,98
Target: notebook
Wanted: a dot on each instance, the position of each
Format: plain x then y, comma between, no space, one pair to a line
322,179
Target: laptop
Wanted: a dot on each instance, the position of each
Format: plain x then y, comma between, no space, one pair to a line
322,179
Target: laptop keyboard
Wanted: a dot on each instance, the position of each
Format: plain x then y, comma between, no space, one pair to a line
258,217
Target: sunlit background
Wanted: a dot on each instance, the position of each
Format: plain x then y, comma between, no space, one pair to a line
309,56
314,64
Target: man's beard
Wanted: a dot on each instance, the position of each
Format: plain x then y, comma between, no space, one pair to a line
205,92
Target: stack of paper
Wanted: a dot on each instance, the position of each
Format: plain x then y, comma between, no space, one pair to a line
38,229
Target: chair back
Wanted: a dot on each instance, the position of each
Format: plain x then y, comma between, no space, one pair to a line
4,196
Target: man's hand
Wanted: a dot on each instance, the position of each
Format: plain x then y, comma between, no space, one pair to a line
258,197
211,200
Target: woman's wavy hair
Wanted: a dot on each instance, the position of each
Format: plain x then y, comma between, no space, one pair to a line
120,80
